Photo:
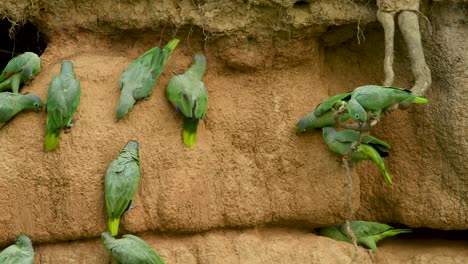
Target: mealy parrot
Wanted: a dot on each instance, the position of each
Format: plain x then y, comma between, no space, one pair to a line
13,103
20,69
376,98
367,233
63,98
138,80
188,94
121,183
311,121
371,148
130,249
22,252
332,102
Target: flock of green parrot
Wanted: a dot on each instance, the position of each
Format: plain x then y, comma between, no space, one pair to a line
363,108
188,95
186,92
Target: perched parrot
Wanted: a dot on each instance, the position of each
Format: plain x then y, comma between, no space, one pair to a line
332,102
311,121
121,183
20,69
367,233
371,148
22,252
13,103
130,249
63,98
138,80
376,98
188,95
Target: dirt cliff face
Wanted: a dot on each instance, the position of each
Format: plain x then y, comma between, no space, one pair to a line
269,63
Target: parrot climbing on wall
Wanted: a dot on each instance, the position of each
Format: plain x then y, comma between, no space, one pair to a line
376,99
63,98
13,103
311,121
371,148
367,233
332,102
22,252
130,249
188,94
19,70
323,114
121,183
138,80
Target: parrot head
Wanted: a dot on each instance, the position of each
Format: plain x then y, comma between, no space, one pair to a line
27,72
301,126
106,235
33,102
356,111
67,68
23,241
132,147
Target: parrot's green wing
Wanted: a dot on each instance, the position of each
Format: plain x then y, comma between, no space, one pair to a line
350,136
8,106
369,233
328,104
311,121
144,249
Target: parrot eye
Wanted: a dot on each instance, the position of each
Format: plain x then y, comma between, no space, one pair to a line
36,105
356,116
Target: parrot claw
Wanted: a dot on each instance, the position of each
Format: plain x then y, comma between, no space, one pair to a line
70,125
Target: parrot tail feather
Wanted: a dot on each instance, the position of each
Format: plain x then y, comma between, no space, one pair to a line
190,131
51,141
114,226
394,232
418,100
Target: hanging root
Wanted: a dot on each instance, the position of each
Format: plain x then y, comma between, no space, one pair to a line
350,232
409,27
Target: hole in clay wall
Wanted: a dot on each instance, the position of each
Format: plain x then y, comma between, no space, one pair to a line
24,38
301,4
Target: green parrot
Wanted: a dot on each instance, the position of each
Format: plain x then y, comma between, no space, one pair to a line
138,80
63,98
376,99
311,121
20,69
121,183
188,94
332,102
367,233
130,249
22,252
13,103
371,148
